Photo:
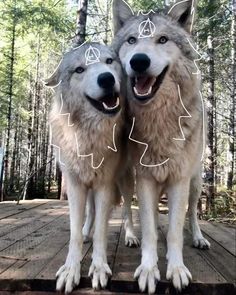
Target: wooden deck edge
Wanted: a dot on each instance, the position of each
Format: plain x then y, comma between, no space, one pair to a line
163,287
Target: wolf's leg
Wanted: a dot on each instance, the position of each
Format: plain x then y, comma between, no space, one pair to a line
177,201
68,275
99,269
148,273
195,192
90,214
126,187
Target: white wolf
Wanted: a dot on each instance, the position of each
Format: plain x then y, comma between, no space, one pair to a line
87,120
165,107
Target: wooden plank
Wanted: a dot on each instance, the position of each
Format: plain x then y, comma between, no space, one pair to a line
49,271
13,238
41,253
221,260
223,235
16,209
75,292
13,223
128,259
201,270
46,248
21,248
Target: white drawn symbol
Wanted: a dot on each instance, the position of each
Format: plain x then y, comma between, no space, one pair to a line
146,148
180,117
92,55
146,29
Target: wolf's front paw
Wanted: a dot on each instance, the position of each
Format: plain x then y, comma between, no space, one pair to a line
201,243
179,274
147,277
100,272
68,277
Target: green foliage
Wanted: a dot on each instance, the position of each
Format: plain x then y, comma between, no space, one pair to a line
52,24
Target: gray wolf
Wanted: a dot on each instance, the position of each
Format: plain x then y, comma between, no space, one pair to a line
166,140
87,121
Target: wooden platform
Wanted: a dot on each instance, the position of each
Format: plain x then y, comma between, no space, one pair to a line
34,239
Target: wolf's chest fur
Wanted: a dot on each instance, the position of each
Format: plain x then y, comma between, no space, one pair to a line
84,149
168,154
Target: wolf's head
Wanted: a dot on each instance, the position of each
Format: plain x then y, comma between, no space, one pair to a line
150,46
88,78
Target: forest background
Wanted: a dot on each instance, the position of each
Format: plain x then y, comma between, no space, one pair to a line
34,36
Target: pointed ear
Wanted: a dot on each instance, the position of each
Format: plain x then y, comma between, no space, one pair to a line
184,12
121,12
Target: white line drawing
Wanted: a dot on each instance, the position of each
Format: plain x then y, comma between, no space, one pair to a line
147,13
50,130
113,138
195,60
74,48
203,127
146,29
92,55
146,148
202,101
56,146
56,85
180,117
65,114
192,11
89,155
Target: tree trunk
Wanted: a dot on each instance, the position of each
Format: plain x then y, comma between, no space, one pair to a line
233,102
14,156
81,22
10,97
211,109
31,185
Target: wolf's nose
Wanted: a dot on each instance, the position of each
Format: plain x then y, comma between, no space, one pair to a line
140,62
106,80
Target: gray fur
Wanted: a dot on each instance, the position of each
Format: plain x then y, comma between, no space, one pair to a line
156,124
78,128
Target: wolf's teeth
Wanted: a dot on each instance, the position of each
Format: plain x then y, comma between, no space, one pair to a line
143,94
111,108
150,90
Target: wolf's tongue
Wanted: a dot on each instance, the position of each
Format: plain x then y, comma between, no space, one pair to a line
143,84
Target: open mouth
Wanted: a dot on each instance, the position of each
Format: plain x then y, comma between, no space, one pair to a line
108,104
145,87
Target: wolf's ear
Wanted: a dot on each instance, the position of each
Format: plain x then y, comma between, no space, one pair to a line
184,11
121,12
53,80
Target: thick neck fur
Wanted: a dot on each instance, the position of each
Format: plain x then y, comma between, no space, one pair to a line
157,124
88,132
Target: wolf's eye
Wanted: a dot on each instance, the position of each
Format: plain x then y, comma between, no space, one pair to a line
163,40
132,40
109,61
79,70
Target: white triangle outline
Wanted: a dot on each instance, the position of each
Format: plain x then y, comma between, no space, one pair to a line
146,23
92,55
